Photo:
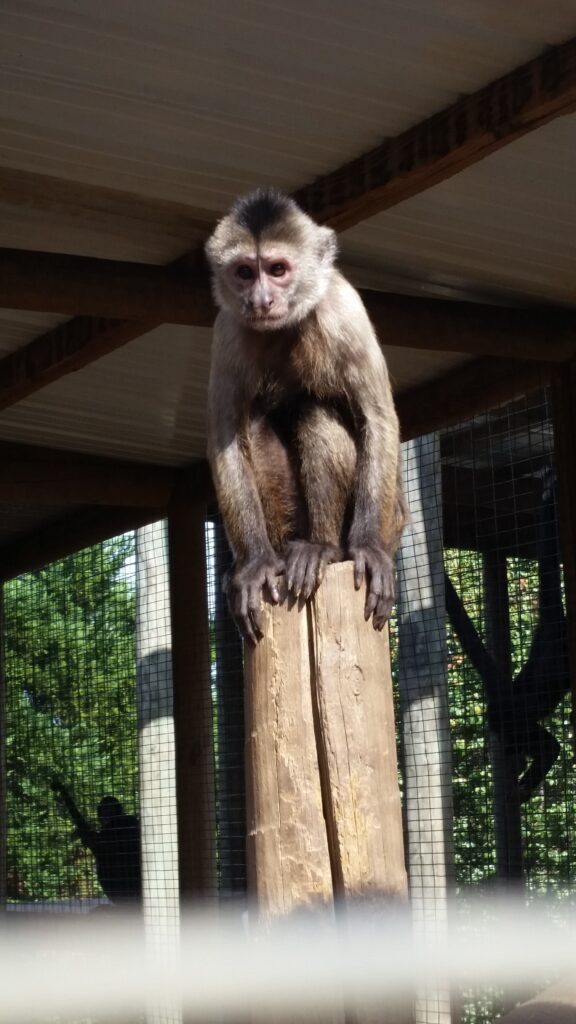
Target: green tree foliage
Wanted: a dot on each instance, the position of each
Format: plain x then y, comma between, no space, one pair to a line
69,641
548,818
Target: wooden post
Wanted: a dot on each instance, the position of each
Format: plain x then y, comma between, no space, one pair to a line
564,417
193,712
287,845
352,687
425,714
3,808
156,724
323,800
230,728
507,818
156,755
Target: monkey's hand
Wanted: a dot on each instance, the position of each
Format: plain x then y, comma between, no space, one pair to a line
244,588
306,564
371,558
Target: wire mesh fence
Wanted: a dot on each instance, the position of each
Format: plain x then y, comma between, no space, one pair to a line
480,657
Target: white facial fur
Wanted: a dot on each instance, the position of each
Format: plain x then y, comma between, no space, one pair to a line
276,280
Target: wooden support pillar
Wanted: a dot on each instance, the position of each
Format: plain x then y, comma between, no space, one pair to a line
564,417
156,755
229,677
324,816
3,807
157,768
507,817
193,711
423,683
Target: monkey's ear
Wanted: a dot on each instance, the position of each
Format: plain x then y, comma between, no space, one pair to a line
327,244
213,247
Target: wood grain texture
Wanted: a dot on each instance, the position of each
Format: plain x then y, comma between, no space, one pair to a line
357,742
288,859
324,817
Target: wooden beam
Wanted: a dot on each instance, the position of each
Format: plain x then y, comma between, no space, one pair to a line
55,283
135,291
69,534
448,142
48,476
477,386
95,204
81,528
192,683
440,325
398,169
564,418
63,350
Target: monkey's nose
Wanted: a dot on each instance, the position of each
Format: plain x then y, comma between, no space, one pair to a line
263,305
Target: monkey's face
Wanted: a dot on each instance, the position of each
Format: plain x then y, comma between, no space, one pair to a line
271,263
261,285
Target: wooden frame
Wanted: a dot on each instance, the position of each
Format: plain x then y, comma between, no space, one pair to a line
564,416
193,717
438,147
83,527
448,142
49,476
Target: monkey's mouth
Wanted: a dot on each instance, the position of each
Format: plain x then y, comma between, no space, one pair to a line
267,320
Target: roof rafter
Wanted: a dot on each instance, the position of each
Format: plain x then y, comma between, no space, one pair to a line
120,290
448,142
52,476
467,390
442,145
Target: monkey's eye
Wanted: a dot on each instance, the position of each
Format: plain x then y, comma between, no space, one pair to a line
278,269
244,272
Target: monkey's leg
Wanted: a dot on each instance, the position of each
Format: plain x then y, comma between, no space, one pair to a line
281,505
544,749
327,460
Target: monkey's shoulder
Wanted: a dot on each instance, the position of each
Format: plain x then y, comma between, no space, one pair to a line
343,321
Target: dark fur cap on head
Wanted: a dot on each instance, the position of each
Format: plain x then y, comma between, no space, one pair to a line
261,209
264,214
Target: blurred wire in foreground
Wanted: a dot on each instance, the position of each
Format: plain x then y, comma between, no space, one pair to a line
225,964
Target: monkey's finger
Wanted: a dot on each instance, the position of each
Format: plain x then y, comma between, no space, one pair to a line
382,613
241,614
375,593
272,586
359,570
255,609
371,604
247,631
290,570
299,574
311,579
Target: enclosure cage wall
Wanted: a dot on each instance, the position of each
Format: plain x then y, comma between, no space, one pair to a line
97,706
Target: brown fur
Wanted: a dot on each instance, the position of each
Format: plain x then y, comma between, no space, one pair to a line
303,435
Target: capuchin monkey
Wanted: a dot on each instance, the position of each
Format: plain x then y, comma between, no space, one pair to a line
115,845
517,708
303,436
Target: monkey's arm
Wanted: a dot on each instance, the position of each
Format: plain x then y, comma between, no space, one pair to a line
85,831
474,649
377,502
256,564
544,750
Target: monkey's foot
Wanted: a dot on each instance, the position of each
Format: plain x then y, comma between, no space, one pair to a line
372,559
244,589
306,564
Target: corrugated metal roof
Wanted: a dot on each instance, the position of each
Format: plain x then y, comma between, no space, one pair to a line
17,328
147,401
505,226
195,102
198,101
19,519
